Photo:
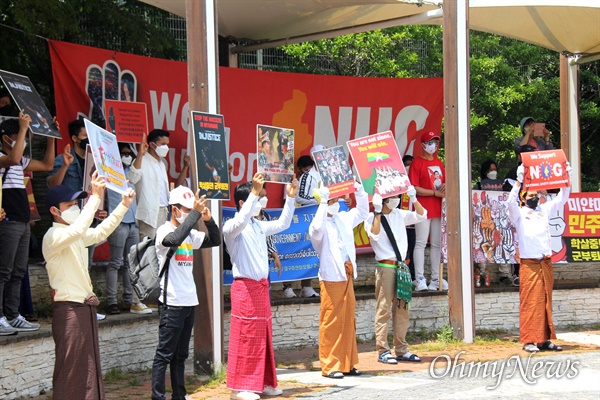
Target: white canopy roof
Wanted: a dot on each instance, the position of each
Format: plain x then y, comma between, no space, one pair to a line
566,26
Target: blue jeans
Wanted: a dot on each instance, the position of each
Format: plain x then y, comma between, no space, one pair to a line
14,255
121,240
174,332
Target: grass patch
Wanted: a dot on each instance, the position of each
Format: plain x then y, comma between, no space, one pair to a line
135,381
446,334
114,375
218,377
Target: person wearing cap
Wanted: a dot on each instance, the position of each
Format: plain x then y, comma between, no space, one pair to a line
15,229
77,369
529,142
532,223
424,173
178,298
251,367
332,236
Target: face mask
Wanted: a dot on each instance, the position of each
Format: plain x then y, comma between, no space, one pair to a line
83,144
526,129
256,210
263,201
70,215
13,144
392,203
431,148
492,175
334,208
162,151
215,173
183,216
127,160
5,110
533,202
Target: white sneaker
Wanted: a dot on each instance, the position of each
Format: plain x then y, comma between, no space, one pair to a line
100,317
308,291
271,391
6,329
140,308
288,293
244,395
435,285
420,284
22,325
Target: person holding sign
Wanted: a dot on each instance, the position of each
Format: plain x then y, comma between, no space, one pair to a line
251,359
387,254
77,369
332,236
529,142
15,229
531,221
428,175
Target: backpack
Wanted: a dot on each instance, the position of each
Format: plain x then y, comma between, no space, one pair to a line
144,269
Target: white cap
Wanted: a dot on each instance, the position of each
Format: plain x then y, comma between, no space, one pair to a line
317,147
182,195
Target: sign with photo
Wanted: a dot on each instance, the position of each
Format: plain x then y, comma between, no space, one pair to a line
89,170
107,158
335,171
27,98
545,170
210,146
379,164
127,120
275,149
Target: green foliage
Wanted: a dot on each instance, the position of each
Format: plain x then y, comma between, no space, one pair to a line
114,375
445,334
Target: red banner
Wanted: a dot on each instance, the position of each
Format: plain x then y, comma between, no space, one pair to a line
545,170
327,110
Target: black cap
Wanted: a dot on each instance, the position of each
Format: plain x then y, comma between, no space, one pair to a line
61,194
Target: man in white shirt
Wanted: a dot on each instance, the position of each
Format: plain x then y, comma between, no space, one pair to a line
332,236
251,359
531,221
386,272
178,296
149,175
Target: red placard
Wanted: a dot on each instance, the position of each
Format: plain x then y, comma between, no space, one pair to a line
379,164
127,120
545,170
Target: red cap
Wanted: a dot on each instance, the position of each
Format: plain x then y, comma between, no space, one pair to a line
427,136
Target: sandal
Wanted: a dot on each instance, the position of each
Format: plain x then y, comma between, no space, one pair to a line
531,348
548,345
408,356
387,358
334,375
353,372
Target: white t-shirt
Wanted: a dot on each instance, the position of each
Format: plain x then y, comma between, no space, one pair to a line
181,290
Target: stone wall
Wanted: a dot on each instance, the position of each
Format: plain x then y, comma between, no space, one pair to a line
128,341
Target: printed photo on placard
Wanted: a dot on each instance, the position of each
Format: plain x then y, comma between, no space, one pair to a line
211,155
545,170
275,149
335,171
107,158
27,98
379,164
127,120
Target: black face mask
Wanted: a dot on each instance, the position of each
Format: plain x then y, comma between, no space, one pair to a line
5,111
533,202
83,144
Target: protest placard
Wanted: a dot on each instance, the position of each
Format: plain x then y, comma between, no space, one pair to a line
335,171
379,164
27,98
275,149
107,158
89,170
545,170
211,155
127,120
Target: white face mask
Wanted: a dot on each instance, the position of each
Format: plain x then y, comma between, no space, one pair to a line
431,148
527,129
13,144
183,216
393,203
256,210
492,175
126,160
70,214
334,208
162,151
263,201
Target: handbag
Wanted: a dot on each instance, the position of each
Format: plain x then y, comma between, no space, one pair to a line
403,279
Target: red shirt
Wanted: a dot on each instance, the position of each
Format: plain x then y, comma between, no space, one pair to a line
428,174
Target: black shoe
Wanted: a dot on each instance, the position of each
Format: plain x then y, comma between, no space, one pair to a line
113,309
353,372
505,280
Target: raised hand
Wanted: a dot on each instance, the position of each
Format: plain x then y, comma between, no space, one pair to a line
323,194
143,146
569,170
67,156
98,184
292,188
359,187
258,182
412,193
520,173
377,203
24,120
187,160
127,199
200,202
